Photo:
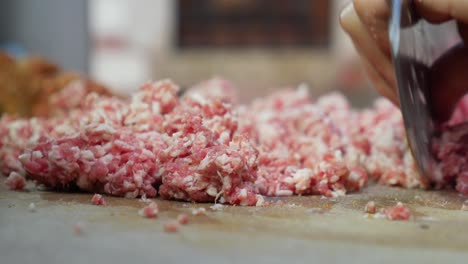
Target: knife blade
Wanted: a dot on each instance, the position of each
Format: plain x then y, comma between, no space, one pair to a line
416,44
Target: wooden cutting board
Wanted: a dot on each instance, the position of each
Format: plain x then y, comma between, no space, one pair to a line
290,229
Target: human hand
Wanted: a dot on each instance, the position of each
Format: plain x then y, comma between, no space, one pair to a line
366,22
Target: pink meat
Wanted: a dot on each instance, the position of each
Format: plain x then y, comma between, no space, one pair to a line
205,147
202,166
149,104
451,151
171,227
149,211
183,219
111,153
397,212
17,135
301,145
98,200
370,207
15,181
216,88
69,98
389,159
100,159
450,148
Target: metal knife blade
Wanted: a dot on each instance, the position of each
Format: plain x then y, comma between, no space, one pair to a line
415,45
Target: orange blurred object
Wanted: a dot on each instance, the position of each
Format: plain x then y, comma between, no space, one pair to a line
27,84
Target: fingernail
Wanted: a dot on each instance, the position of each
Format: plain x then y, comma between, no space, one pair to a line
346,16
347,11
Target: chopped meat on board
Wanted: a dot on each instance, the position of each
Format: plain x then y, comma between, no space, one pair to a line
15,181
370,207
206,147
171,227
300,146
78,229
451,151
98,200
101,159
18,135
205,161
32,207
465,206
183,219
199,211
397,212
216,88
389,159
149,211
149,104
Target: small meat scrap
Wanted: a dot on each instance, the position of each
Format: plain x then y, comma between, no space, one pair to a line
260,201
370,207
15,181
149,211
217,207
78,229
32,207
397,212
171,227
199,211
465,206
183,219
98,200
144,199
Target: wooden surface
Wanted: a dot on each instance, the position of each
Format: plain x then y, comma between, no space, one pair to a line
297,229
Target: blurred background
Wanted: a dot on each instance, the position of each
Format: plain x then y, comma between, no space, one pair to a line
259,45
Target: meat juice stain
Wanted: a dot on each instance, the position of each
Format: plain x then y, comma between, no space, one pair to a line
81,198
278,208
280,219
124,211
388,196
446,200
236,217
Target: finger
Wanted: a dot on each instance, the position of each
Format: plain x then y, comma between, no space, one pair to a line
449,82
380,84
366,45
437,11
375,14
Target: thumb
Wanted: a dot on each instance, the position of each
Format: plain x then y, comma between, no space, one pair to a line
449,82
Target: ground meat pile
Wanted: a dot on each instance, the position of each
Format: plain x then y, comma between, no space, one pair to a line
450,148
205,147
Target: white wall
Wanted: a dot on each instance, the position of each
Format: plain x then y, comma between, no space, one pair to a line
148,27
141,26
